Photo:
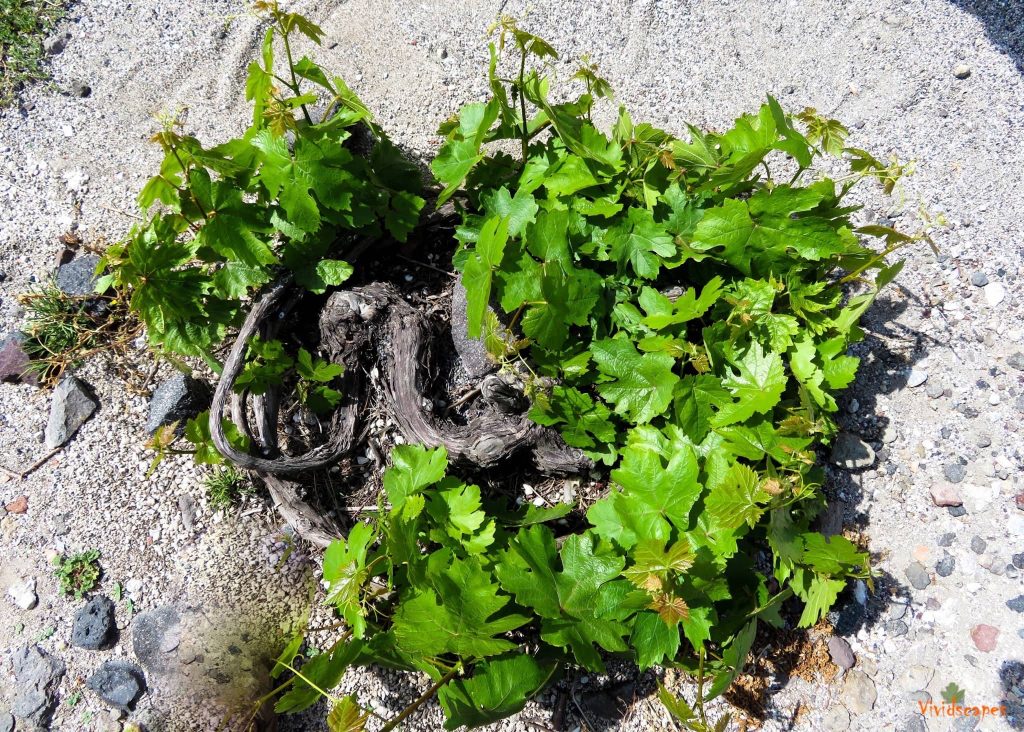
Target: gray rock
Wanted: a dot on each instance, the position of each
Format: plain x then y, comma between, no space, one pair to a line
841,653
978,545
178,399
79,88
983,440
94,626
916,377
851,452
945,566
14,362
1016,604
187,507
955,472
118,683
155,634
947,539
896,628
934,391
965,724
6,722
37,675
979,279
914,723
858,694
957,511
916,677
836,719
78,277
1016,361
56,43
1018,560
918,576
72,404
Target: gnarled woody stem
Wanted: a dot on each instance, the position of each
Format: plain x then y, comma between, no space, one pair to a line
362,328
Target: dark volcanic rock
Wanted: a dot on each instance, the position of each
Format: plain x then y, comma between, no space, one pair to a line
179,399
78,277
155,635
36,674
118,683
94,624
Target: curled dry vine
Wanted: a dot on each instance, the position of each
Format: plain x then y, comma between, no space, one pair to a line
662,308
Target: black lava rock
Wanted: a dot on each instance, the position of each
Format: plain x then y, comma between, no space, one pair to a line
94,625
78,277
118,683
178,399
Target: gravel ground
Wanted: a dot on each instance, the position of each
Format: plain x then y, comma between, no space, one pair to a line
940,399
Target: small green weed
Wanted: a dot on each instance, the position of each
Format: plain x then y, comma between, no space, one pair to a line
63,330
225,486
79,573
23,25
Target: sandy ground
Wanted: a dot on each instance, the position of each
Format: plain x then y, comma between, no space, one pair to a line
883,66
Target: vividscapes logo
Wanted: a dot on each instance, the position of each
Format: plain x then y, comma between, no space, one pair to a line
954,705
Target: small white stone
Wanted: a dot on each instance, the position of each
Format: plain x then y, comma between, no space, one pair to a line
993,399
24,594
994,293
527,489
916,377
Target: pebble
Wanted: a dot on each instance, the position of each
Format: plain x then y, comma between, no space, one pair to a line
961,71
918,576
23,594
944,494
984,637
994,293
896,628
836,719
916,677
841,653
916,377
934,390
979,279
1016,604
18,506
983,440
945,566
978,545
955,472
1016,361
859,693
947,539
914,723
133,586
1018,560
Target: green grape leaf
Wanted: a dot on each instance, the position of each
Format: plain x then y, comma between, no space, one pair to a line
641,386
498,688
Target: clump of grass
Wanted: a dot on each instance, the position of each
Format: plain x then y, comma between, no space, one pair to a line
63,330
23,26
79,573
226,486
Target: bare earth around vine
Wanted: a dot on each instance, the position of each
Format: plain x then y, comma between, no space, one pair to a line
885,67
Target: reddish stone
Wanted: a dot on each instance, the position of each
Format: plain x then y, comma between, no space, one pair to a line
1019,500
18,505
14,362
945,494
984,637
